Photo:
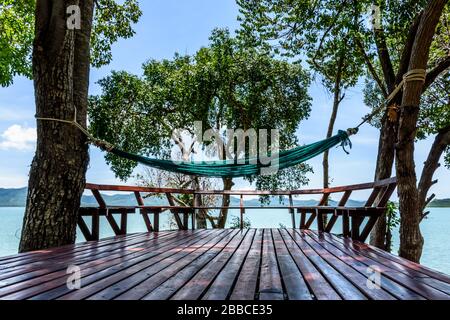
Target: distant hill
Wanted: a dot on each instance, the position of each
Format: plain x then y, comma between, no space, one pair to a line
13,197
17,198
440,203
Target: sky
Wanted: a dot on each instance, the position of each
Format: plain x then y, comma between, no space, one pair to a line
169,26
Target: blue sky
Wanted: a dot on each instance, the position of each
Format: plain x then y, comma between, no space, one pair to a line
168,26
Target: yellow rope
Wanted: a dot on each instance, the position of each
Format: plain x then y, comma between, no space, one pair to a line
412,75
98,142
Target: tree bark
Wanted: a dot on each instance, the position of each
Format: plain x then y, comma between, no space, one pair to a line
336,102
61,79
411,240
227,185
379,236
441,142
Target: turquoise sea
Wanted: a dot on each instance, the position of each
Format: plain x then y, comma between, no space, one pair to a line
435,228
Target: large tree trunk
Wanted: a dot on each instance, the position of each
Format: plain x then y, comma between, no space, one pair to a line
61,78
379,236
411,240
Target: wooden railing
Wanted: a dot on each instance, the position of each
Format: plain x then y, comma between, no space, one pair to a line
352,217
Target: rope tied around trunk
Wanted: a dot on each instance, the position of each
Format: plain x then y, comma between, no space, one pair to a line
104,145
410,76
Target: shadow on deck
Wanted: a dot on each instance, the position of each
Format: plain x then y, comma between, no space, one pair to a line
232,264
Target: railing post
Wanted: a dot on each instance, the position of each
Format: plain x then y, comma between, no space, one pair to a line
291,210
242,212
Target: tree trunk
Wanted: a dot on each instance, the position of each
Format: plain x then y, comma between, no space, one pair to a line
61,78
411,240
385,162
336,102
441,142
201,216
227,185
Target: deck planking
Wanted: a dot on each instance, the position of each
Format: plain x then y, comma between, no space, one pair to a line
252,264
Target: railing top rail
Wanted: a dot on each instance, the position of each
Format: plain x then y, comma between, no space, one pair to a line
363,186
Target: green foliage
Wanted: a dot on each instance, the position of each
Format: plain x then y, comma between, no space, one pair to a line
319,32
235,223
112,20
392,222
226,85
16,38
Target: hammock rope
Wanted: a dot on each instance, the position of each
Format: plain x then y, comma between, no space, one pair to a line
248,166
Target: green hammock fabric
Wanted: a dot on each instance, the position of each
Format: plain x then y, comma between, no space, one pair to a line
229,168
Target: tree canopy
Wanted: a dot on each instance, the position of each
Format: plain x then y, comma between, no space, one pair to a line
225,85
112,20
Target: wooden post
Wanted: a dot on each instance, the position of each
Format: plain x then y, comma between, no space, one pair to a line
302,218
123,223
156,221
345,223
242,212
291,210
95,226
320,221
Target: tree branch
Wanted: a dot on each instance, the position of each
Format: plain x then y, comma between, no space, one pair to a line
385,59
371,67
407,49
436,71
441,141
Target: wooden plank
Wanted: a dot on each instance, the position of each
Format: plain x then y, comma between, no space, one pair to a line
346,289
245,287
270,286
222,285
164,284
310,220
292,210
296,287
99,198
302,218
125,283
109,282
398,264
54,285
156,221
332,221
349,273
198,284
51,265
148,223
31,262
368,228
409,287
95,232
338,189
123,223
85,229
112,222
320,287
241,211
366,269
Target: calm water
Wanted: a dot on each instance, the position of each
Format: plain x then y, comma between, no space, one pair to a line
435,230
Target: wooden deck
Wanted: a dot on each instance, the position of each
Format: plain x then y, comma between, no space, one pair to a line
220,264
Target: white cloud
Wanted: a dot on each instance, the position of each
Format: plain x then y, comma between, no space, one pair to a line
19,138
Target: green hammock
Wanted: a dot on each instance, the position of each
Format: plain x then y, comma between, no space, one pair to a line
231,168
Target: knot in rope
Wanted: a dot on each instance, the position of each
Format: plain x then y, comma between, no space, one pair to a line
345,138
